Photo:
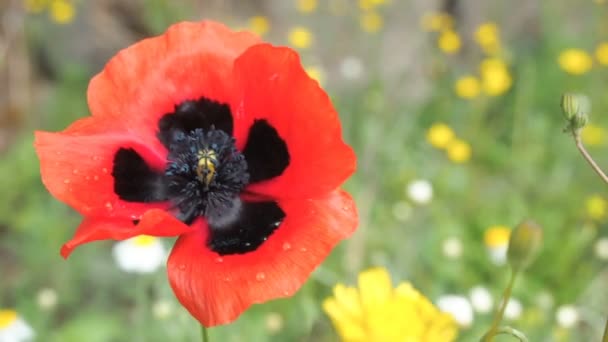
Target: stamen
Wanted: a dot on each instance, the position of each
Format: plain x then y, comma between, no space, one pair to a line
207,161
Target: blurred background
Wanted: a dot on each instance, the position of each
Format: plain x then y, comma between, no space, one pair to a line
452,107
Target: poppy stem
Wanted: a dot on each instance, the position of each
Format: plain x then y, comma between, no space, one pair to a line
605,338
204,334
587,156
489,336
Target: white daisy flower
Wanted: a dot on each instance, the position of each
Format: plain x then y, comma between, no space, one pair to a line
46,298
13,328
457,306
420,191
567,316
496,239
141,254
513,310
351,68
481,299
452,248
601,249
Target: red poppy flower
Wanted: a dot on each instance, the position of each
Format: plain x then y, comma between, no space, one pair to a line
222,140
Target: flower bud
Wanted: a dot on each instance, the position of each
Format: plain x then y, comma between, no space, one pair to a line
570,105
579,121
524,244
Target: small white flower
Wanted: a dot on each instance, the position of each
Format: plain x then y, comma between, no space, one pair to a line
513,310
452,248
351,68
13,328
567,316
162,309
601,248
481,299
457,306
420,191
141,254
545,300
402,211
46,298
274,322
498,254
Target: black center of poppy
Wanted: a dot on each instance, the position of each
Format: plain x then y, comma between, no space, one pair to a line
205,174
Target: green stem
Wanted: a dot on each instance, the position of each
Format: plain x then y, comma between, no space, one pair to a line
587,156
510,331
489,336
204,334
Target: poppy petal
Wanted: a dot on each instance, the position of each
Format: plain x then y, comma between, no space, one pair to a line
217,289
154,222
76,166
150,78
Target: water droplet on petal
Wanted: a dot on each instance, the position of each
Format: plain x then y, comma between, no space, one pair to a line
66,181
346,208
109,205
303,249
286,246
75,171
87,177
227,279
104,170
96,177
96,158
260,276
219,260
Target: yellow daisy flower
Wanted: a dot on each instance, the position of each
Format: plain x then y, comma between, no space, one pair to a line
371,22
575,61
436,22
467,87
496,240
596,207
449,42
300,37
495,76
440,135
62,11
259,25
377,312
459,151
487,36
593,135
306,6
601,53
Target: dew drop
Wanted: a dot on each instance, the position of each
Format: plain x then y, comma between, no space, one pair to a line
227,279
75,171
219,260
96,158
346,208
109,205
260,276
286,293
286,246
104,170
303,249
87,177
66,181
96,177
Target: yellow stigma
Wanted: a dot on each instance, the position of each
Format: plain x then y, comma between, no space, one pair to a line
207,159
7,317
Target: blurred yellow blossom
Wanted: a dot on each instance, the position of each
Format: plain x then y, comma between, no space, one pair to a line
300,37
496,239
449,42
377,312
367,5
35,6
62,11
575,61
440,135
371,22
306,6
459,151
259,25
495,76
488,38
315,73
593,135
596,207
13,327
601,53
467,87
435,22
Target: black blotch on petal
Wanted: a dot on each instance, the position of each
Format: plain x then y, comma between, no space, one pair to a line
266,153
134,180
255,223
190,115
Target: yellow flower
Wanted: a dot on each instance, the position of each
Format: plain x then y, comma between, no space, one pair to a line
440,135
495,76
377,312
487,36
467,87
496,236
435,22
459,151
306,6
596,207
593,135
259,25
575,61
62,11
601,53
449,42
316,73
300,37
371,22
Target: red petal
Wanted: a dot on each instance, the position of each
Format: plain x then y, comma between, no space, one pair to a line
272,85
216,290
146,80
154,222
76,167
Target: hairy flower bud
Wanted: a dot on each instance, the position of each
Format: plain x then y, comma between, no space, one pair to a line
524,244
